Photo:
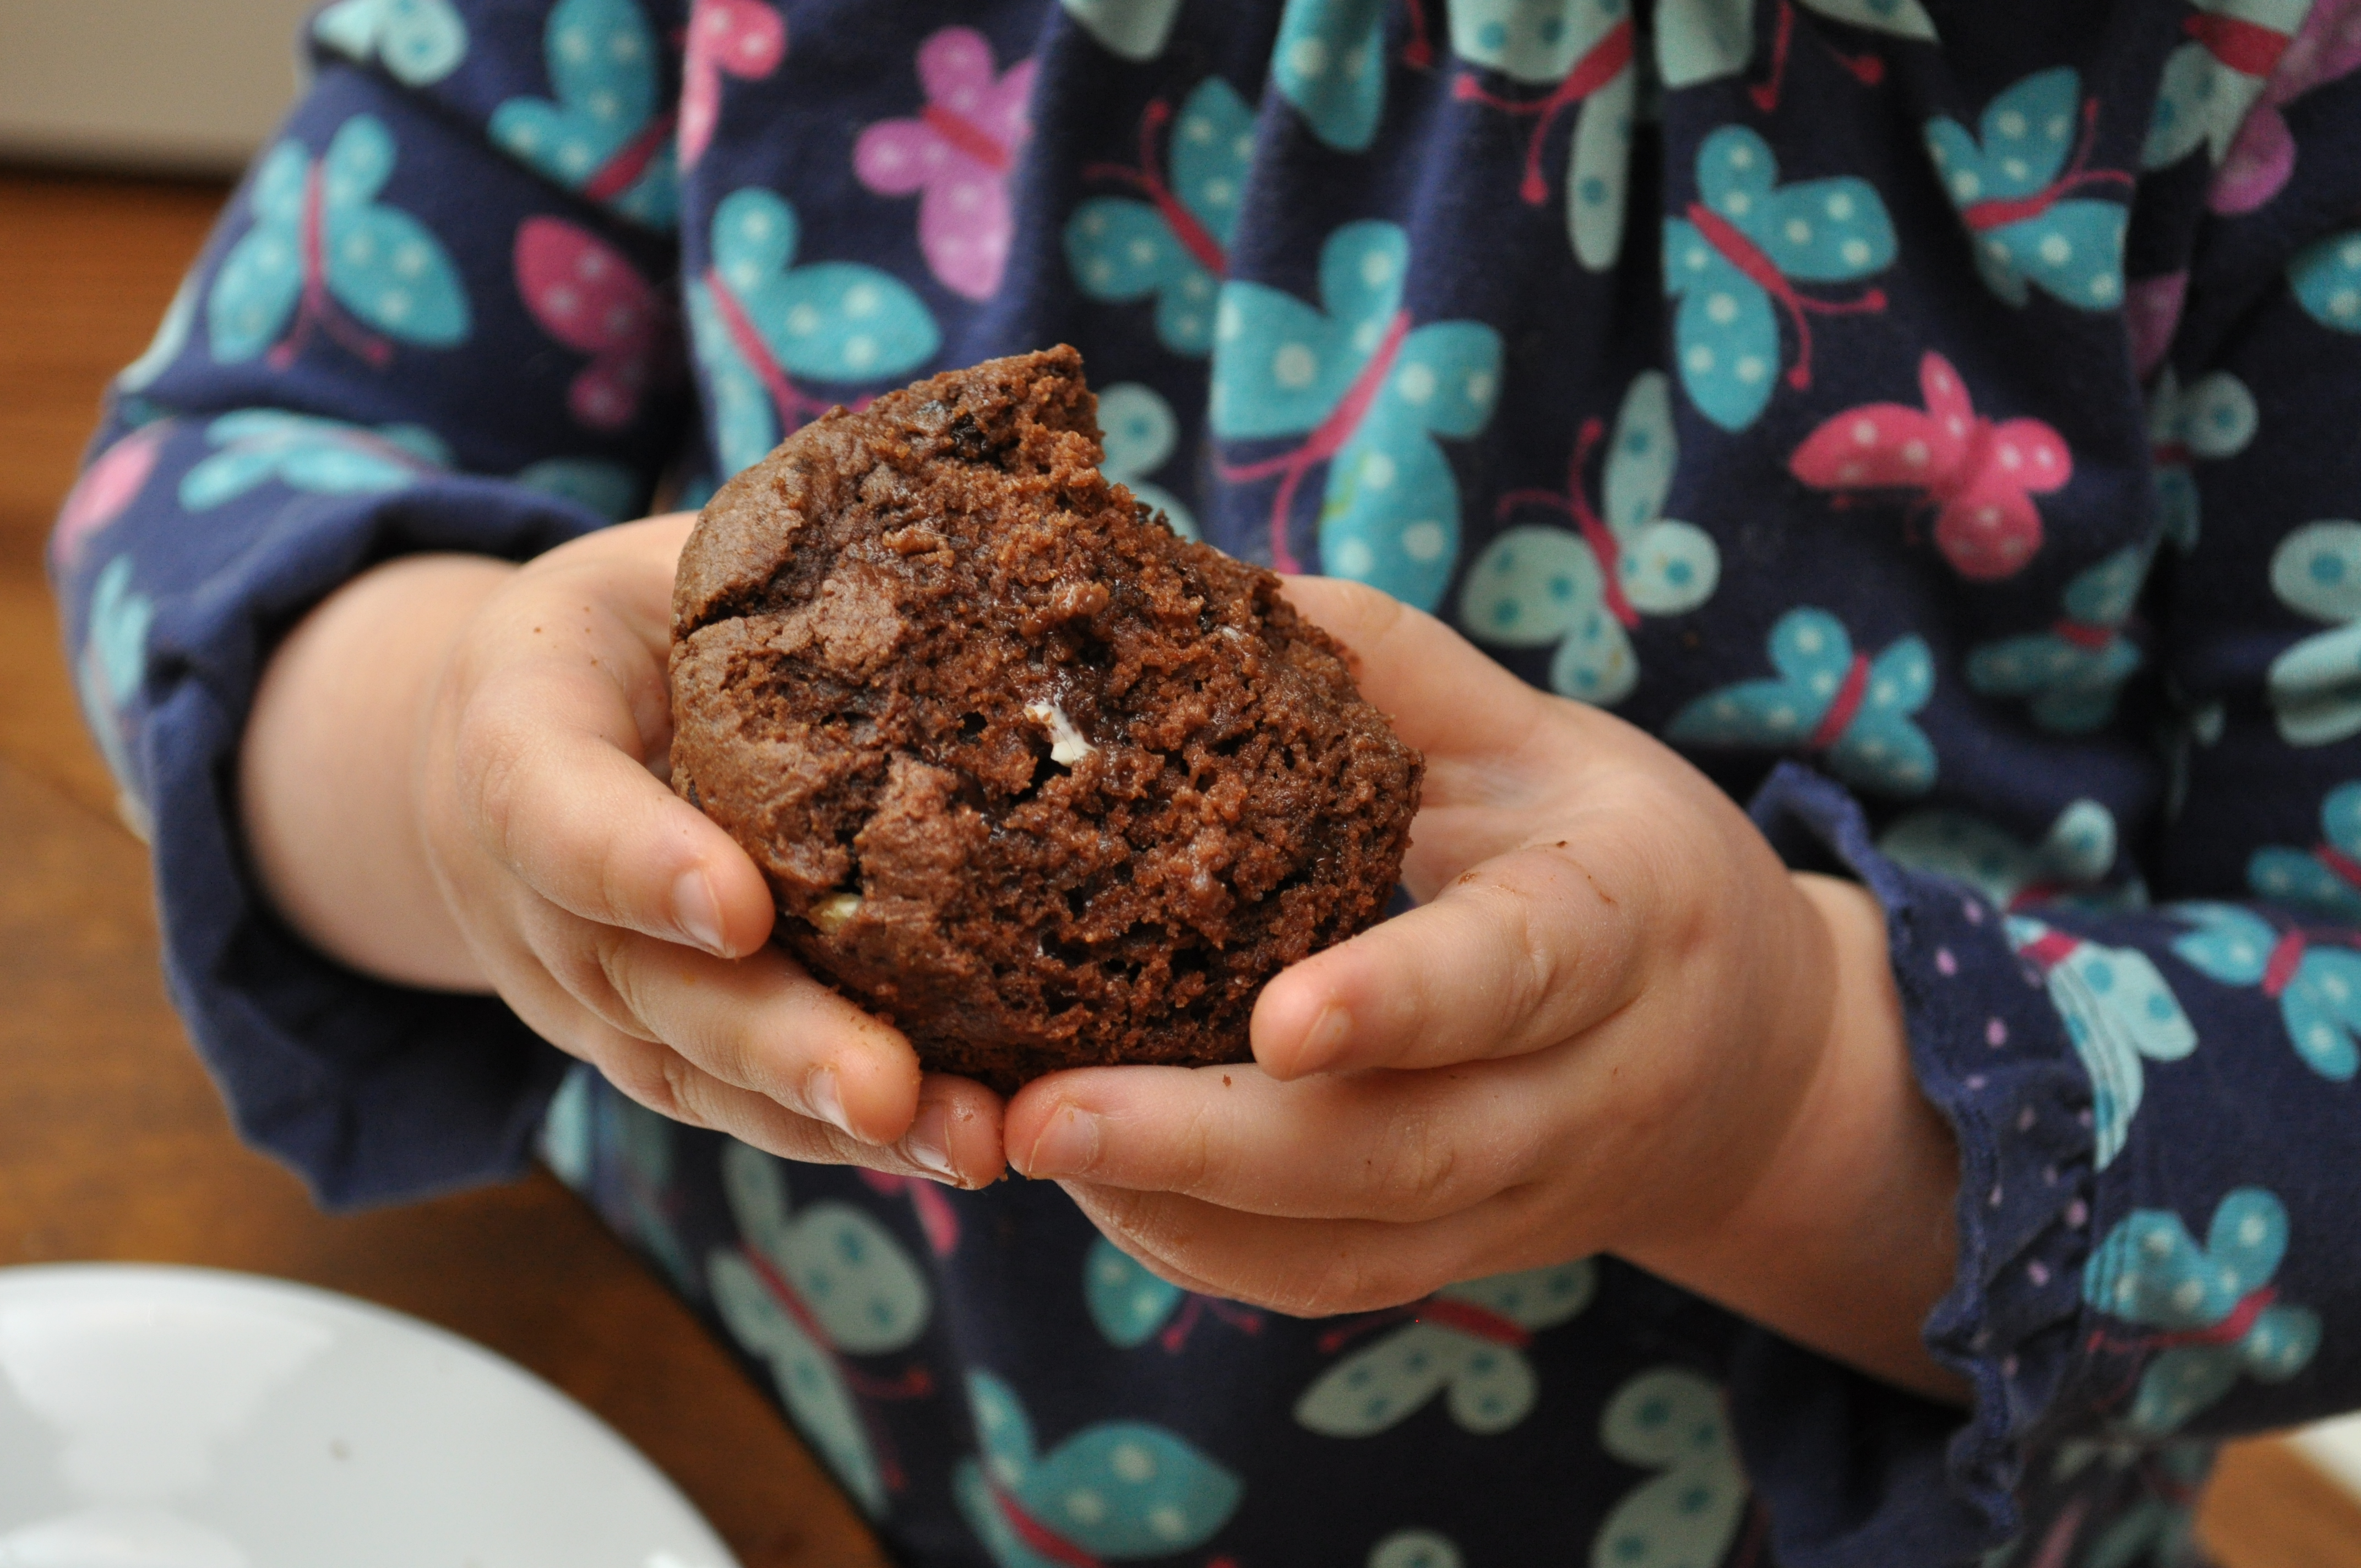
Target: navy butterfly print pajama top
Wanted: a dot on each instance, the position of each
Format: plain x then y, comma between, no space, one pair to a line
1936,417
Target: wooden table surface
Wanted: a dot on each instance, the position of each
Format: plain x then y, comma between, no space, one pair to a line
113,1144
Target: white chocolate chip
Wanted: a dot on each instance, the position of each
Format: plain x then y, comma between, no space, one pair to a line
832,914
1067,746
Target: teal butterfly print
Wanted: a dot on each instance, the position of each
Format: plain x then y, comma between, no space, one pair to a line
1131,1306
807,1290
2213,417
2318,987
2211,82
1672,1420
604,136
1585,590
1131,29
321,456
112,667
1111,1492
1140,433
2315,686
1733,262
420,41
758,322
2217,1315
1369,393
2326,879
323,255
1415,1549
2326,277
1173,242
1703,40
1330,62
2067,866
2117,1010
1828,700
1465,1342
171,337
1582,51
2072,671
2023,199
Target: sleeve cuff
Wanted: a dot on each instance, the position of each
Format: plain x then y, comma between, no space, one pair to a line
1858,1473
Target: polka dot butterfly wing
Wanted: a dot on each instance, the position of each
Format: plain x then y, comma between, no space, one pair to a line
1465,1342
959,152
761,323
1113,1492
1126,1302
2016,184
418,41
589,297
2076,854
319,456
2315,685
1129,30
1700,40
1827,699
324,255
1733,262
1330,62
2118,1011
2326,277
2318,988
744,38
805,1288
1371,394
2149,1270
2072,671
2211,418
1171,241
1980,477
1673,1420
2211,83
1585,590
1581,51
2261,158
1140,433
602,136
2324,879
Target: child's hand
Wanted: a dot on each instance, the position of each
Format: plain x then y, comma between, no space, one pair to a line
618,921
1610,1026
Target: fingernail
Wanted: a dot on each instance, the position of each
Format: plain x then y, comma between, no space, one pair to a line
697,912
826,1102
929,1141
1068,1146
1324,1041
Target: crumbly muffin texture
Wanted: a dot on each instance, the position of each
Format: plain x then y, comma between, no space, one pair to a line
1029,776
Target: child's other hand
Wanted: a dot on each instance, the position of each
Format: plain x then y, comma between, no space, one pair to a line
1607,1028
615,918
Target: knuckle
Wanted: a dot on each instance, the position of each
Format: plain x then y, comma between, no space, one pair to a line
489,756
1420,1165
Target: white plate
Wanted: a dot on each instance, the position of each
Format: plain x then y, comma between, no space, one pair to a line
180,1418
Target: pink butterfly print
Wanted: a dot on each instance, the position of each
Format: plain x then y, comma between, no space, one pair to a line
105,488
1980,477
959,151
936,1215
588,297
2260,160
744,37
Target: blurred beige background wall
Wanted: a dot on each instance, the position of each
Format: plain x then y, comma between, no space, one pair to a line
181,86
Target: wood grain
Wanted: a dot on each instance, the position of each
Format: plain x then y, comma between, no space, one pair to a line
113,1144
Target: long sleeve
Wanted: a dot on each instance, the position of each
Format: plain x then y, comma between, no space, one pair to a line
436,316
2146,1044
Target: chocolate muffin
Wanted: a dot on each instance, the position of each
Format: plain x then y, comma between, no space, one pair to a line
1030,775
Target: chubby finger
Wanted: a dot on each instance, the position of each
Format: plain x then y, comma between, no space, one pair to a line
760,1024
1389,1147
550,787
1523,951
1310,1268
1442,694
